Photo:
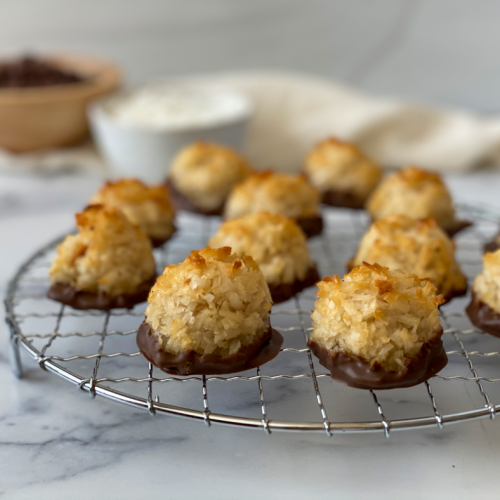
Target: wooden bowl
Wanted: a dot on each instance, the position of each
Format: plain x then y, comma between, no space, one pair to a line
36,118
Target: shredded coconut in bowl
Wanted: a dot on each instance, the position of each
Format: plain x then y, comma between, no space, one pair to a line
176,106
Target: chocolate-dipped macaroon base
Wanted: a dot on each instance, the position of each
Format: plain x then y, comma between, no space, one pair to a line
312,226
342,199
192,363
284,291
461,224
182,203
483,316
77,299
453,294
491,246
158,242
358,374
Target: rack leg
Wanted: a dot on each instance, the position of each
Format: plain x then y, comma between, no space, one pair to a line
14,353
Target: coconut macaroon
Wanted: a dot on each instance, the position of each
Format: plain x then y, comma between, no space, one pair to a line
418,246
285,194
202,176
148,207
484,309
277,245
209,315
108,263
378,329
416,193
342,173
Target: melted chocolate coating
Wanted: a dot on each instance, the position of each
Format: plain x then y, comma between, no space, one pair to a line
483,316
343,199
158,242
461,224
192,363
357,373
454,293
182,203
285,291
491,246
77,299
312,226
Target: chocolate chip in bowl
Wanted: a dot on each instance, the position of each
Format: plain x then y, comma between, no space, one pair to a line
33,72
43,100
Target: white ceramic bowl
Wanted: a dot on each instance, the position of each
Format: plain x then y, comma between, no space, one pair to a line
146,151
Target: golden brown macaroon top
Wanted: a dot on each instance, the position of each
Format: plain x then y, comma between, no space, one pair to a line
487,282
205,173
286,194
213,303
416,193
417,246
276,243
380,316
108,255
148,207
341,166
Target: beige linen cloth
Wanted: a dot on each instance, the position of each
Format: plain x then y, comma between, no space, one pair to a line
293,112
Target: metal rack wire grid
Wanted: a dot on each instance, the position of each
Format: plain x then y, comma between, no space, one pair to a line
97,352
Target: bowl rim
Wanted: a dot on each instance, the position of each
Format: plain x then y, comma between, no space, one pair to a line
96,112
106,76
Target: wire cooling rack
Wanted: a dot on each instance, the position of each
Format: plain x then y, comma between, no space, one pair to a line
96,350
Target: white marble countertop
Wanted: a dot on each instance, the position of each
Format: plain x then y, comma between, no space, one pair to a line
55,442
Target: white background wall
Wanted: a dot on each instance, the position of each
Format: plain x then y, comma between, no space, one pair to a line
441,51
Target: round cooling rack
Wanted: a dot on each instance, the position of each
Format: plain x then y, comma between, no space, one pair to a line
96,350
